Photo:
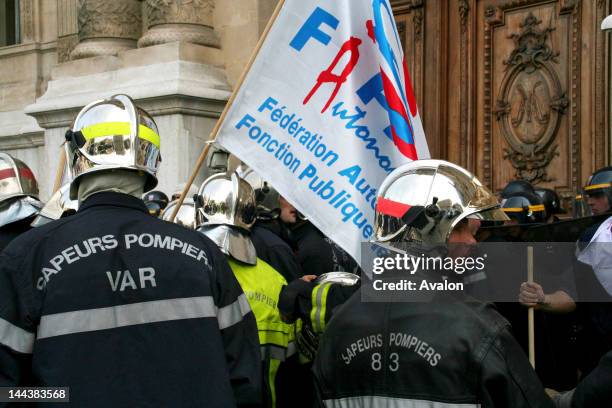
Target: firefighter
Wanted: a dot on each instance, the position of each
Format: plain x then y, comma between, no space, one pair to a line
269,234
451,352
125,309
225,212
156,201
18,198
185,216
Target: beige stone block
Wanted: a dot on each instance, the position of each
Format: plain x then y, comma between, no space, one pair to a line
177,51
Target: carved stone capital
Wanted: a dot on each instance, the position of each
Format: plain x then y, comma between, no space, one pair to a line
179,20
107,27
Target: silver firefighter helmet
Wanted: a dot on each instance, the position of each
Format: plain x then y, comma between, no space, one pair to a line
113,134
16,179
18,191
186,215
225,212
59,205
422,201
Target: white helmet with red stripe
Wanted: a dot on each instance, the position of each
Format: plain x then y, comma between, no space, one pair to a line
422,201
16,179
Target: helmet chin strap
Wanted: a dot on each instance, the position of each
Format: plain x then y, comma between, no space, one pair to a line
76,139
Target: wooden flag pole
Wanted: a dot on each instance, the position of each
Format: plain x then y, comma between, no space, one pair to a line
530,311
59,174
215,131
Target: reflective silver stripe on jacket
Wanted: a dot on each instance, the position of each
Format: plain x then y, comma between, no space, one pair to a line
15,337
81,321
372,401
232,314
291,349
272,352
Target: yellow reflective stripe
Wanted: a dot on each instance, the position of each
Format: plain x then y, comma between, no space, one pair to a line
271,337
510,209
119,128
323,307
313,308
274,364
595,186
539,207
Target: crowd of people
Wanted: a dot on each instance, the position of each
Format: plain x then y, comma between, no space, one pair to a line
240,300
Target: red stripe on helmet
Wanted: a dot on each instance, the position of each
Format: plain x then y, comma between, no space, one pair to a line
7,173
392,208
26,173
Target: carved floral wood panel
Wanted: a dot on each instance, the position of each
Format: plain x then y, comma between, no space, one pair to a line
530,129
512,88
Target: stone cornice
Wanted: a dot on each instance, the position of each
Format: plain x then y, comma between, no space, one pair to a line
23,141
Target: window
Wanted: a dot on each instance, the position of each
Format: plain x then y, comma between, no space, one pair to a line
9,22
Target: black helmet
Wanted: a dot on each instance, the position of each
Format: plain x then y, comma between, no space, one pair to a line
154,208
156,196
599,182
551,201
526,208
266,196
516,187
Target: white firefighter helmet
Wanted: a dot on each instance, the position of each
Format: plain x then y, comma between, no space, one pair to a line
18,191
113,134
16,179
422,201
225,212
58,206
185,215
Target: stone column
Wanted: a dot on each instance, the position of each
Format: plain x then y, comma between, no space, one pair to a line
179,20
67,28
107,27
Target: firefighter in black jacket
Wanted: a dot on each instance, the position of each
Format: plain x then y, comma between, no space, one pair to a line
18,198
125,309
225,212
425,353
269,234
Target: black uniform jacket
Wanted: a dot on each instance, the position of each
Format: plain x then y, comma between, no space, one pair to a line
276,252
423,355
126,310
318,254
11,231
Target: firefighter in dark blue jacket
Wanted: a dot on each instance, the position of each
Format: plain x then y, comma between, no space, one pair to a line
125,309
18,198
433,348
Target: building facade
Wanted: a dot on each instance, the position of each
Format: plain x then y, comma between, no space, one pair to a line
506,88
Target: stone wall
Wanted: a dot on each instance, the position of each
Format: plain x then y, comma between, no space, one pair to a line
177,58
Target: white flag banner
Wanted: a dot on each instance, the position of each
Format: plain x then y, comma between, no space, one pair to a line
327,111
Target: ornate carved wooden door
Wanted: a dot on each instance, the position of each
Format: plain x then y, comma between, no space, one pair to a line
512,88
